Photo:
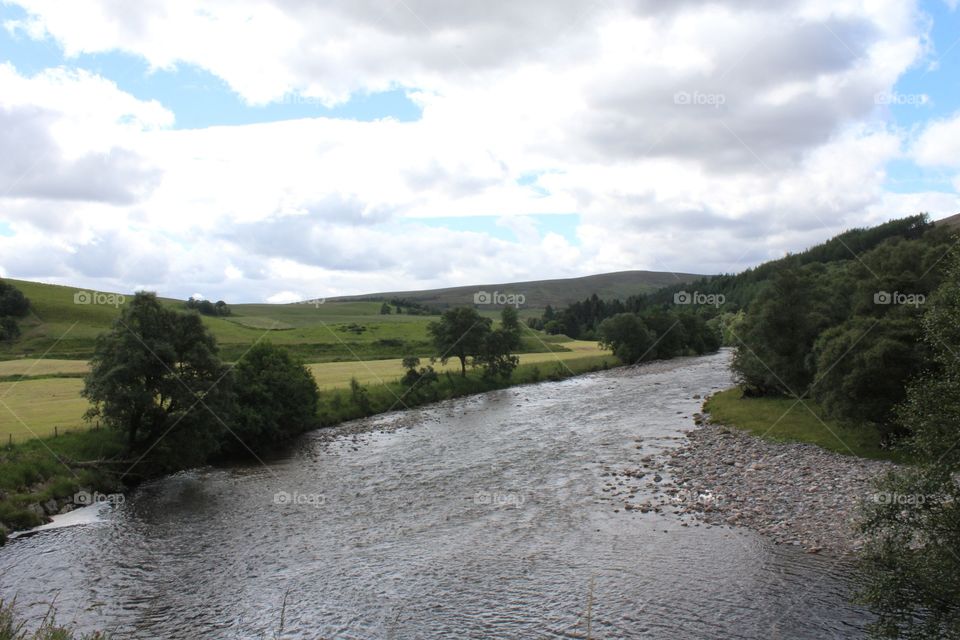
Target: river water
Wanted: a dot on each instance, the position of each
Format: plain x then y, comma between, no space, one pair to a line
483,517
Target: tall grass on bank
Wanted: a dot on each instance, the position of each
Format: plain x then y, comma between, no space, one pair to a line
359,401
788,420
12,627
36,471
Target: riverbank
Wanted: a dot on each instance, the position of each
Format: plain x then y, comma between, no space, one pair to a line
39,478
797,494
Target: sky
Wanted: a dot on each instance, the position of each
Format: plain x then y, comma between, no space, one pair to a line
280,150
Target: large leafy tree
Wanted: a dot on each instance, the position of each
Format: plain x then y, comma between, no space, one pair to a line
776,339
496,354
276,400
862,366
156,377
627,336
460,333
913,560
12,301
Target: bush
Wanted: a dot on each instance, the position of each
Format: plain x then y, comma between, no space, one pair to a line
277,399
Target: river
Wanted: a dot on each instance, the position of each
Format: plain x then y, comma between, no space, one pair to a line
482,517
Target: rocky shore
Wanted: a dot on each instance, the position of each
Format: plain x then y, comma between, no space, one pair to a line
797,494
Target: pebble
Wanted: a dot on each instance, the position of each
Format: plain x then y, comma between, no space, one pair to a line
797,494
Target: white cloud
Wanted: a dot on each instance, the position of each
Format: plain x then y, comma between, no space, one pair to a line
939,144
775,147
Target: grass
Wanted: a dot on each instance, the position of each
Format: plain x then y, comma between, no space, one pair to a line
786,420
42,367
339,405
330,375
39,408
14,627
60,328
33,472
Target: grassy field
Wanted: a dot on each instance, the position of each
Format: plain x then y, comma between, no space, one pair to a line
330,375
785,419
30,408
64,323
34,470
42,367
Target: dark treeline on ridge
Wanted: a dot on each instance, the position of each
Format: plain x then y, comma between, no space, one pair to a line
839,322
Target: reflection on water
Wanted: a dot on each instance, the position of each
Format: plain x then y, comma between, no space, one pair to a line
476,518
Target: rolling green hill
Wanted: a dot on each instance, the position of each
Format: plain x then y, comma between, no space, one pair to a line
540,293
64,323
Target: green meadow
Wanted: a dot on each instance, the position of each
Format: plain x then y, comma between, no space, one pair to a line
63,326
41,372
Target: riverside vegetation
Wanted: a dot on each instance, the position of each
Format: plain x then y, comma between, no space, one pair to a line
164,400
852,345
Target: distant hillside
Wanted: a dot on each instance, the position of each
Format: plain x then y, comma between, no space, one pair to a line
540,293
951,221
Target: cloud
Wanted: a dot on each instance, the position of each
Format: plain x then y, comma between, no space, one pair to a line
939,143
65,135
688,137
37,169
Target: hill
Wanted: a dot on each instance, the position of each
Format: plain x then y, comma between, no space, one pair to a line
540,293
64,323
950,221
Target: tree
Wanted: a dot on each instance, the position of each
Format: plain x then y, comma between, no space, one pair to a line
414,376
156,377
460,333
13,305
359,397
774,347
207,308
863,366
627,336
277,399
9,329
385,309
496,354
12,301
911,563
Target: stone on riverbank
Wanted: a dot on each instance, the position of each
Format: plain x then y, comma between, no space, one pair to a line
797,494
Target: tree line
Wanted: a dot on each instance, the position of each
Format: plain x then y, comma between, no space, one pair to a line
207,308
867,325
157,379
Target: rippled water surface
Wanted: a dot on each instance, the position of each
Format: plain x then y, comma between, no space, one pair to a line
477,518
